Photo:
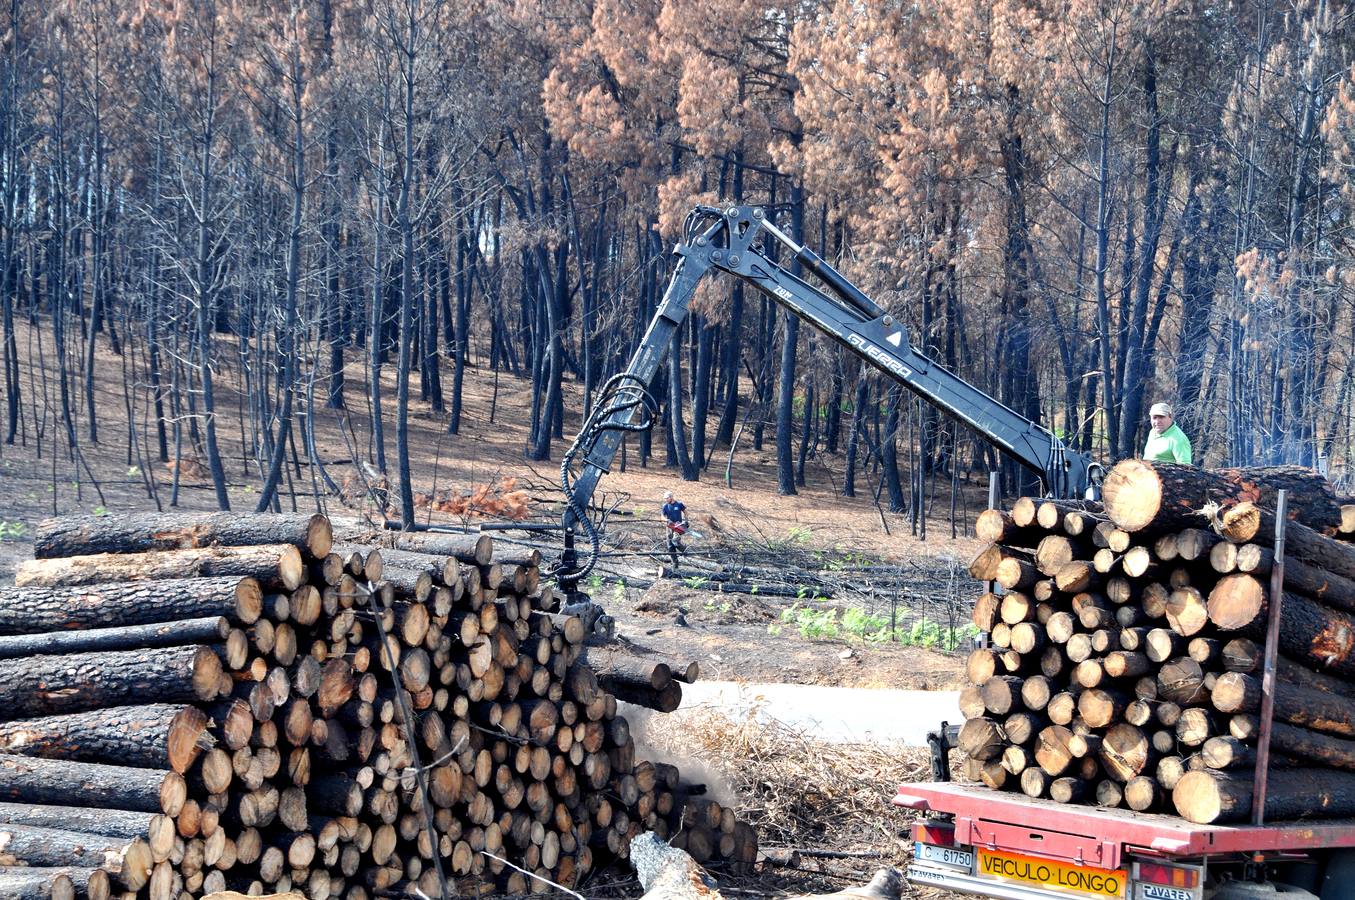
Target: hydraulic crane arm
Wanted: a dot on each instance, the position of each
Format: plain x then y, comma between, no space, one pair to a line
726,241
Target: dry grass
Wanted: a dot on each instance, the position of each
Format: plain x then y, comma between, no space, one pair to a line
796,791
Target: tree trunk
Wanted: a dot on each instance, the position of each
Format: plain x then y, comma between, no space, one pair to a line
1139,494
273,565
59,783
160,736
50,685
63,883
1210,797
854,435
677,432
140,532
1316,710
29,610
127,637
28,845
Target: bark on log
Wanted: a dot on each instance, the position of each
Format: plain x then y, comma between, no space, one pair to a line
616,664
131,637
1309,632
1235,692
27,845
1304,744
31,610
49,685
1140,494
467,548
59,783
160,736
667,873
114,822
1245,655
1207,796
140,532
61,883
666,700
274,566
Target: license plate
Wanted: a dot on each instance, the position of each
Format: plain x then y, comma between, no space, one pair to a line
946,856
1050,874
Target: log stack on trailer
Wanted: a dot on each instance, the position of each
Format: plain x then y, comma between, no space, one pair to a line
1126,646
193,703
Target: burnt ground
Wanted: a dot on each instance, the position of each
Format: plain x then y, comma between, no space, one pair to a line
737,637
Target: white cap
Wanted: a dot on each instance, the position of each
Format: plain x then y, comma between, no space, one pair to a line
1160,409
667,495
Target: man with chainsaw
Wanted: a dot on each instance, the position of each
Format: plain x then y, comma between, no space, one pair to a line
675,520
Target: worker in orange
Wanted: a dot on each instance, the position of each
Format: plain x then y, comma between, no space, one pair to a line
1166,441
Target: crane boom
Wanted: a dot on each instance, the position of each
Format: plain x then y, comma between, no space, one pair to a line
727,241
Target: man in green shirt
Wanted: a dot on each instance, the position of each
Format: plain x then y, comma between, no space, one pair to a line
1166,442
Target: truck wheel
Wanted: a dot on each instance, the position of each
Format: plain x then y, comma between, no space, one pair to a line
1337,880
1245,890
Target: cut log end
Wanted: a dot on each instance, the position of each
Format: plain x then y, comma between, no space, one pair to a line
1132,494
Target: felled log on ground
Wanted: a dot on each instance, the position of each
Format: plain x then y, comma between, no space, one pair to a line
140,532
887,884
1139,494
667,873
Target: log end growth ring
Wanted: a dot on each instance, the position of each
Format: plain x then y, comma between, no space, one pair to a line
1132,494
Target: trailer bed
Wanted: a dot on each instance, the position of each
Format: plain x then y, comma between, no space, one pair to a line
1088,835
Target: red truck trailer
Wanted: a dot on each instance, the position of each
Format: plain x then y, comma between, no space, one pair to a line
987,843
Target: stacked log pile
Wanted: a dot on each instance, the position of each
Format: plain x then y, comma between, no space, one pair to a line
194,703
1126,645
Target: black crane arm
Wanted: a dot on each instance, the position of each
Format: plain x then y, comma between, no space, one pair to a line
725,241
